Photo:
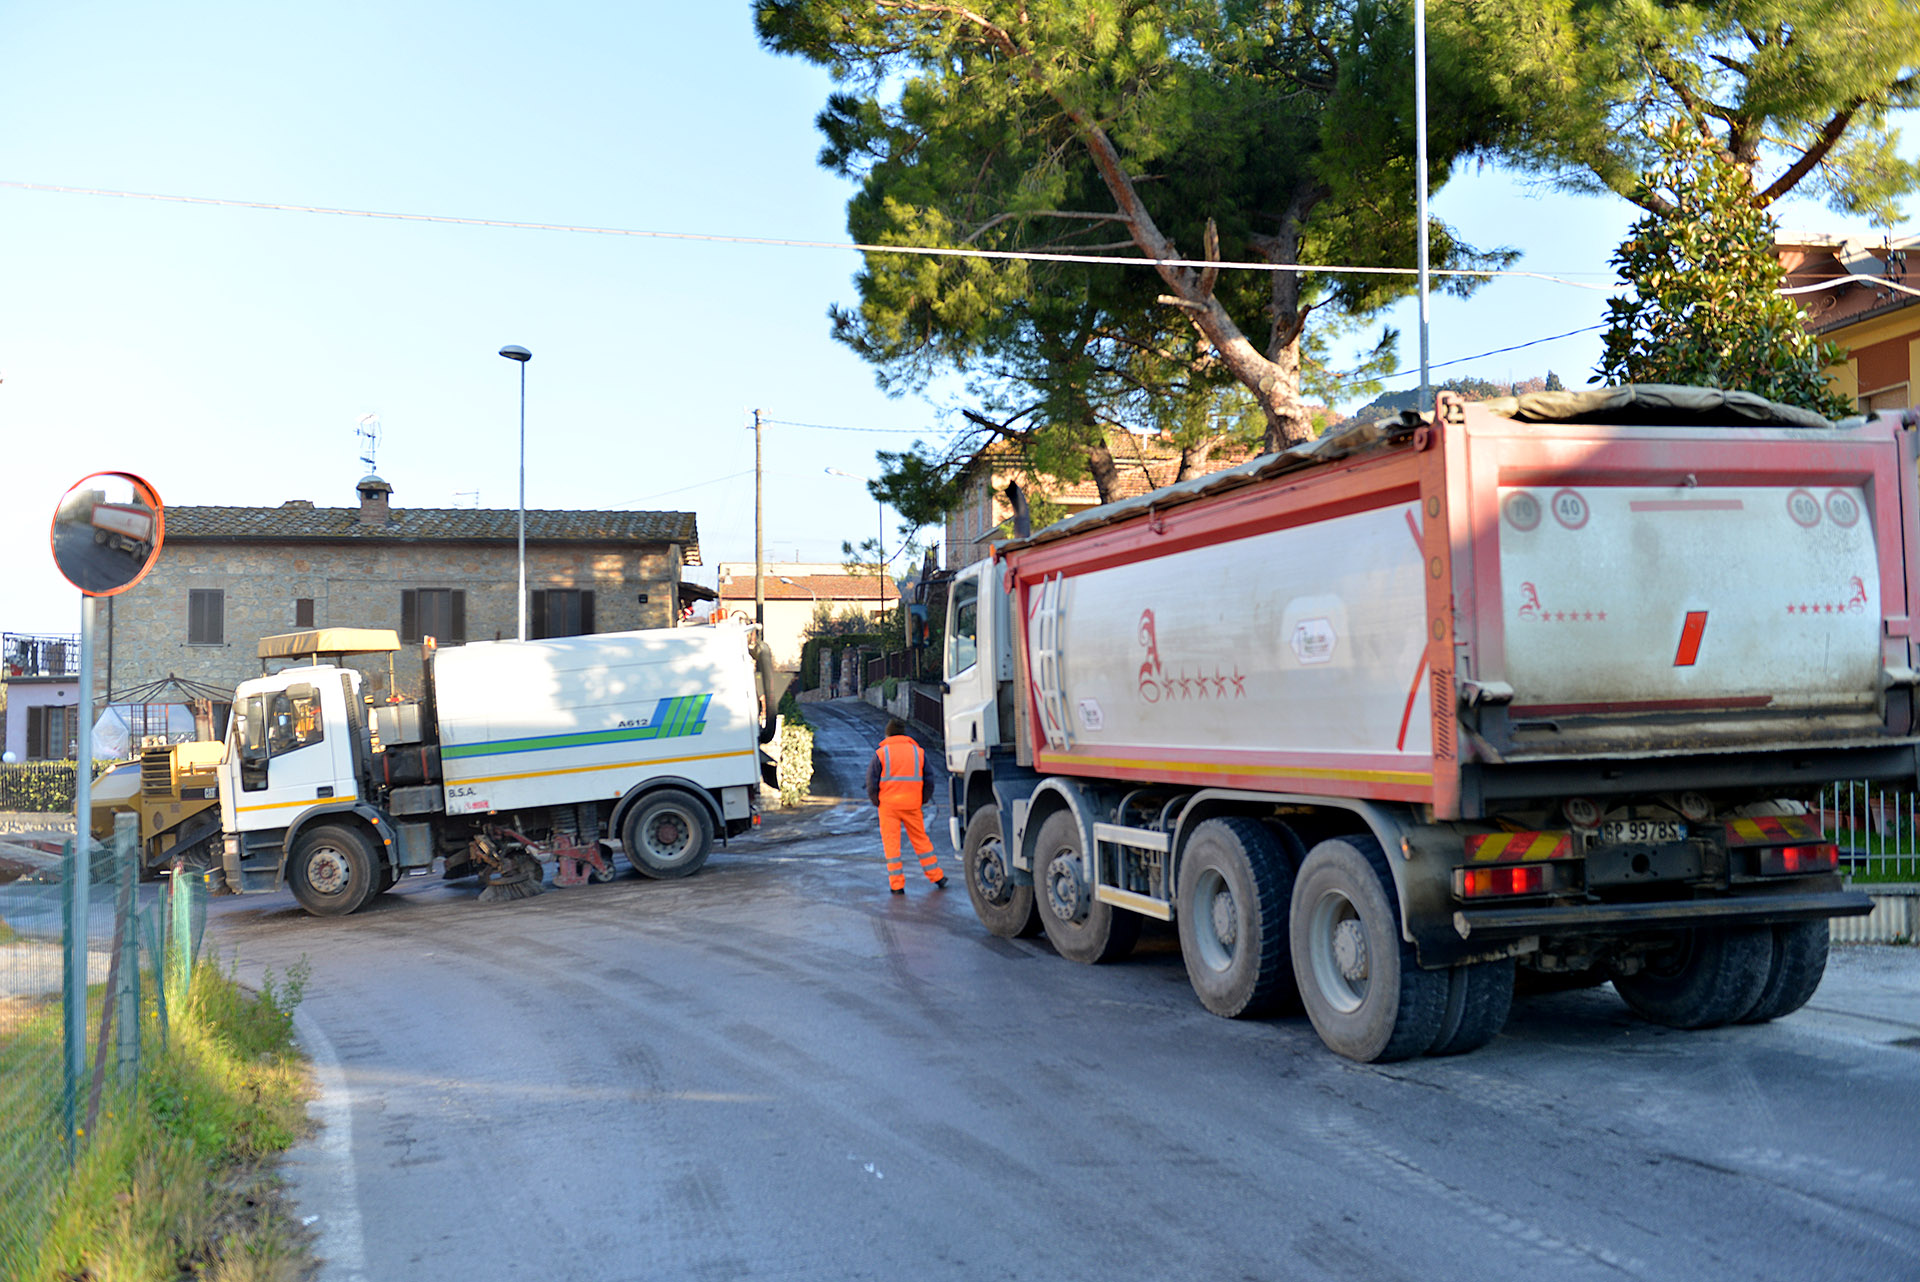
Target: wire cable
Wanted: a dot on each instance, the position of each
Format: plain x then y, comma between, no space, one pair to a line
930,251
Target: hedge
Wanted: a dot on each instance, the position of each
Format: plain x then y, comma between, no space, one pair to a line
41,787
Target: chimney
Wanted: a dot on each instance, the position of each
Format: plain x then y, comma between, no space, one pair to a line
373,500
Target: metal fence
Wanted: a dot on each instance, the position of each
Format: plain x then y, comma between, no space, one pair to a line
1877,830
88,969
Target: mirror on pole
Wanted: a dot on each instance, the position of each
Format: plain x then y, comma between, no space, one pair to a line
106,532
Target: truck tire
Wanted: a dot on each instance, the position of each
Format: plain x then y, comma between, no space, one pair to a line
1711,976
1235,888
668,834
1479,999
1079,927
1362,987
1004,906
333,870
1799,963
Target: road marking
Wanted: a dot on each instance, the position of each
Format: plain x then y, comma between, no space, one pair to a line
339,1242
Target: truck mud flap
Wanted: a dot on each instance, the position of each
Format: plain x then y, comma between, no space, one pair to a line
1489,924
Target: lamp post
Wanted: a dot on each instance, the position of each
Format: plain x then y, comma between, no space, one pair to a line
520,356
879,545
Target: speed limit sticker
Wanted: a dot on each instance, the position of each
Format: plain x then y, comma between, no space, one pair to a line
1570,509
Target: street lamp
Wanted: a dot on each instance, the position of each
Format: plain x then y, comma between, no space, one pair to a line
521,356
803,587
879,547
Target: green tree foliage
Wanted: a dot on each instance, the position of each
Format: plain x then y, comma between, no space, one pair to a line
1706,307
1794,94
1213,129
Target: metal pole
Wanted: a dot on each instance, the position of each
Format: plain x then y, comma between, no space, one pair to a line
1420,162
78,876
523,499
126,853
759,513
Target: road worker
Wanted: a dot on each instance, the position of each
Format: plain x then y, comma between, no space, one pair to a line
900,781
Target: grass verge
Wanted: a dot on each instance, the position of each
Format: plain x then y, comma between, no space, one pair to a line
175,1181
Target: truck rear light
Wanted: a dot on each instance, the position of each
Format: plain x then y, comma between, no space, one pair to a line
1819,857
1487,883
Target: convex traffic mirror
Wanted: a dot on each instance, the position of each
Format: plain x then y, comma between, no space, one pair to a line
107,532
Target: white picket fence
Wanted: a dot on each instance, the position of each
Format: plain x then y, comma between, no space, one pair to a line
1878,832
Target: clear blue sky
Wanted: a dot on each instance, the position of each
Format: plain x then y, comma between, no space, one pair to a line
227,354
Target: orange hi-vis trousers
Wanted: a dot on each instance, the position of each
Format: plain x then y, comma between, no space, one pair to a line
892,819
902,762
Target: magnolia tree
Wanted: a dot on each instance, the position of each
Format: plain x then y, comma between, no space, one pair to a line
1706,307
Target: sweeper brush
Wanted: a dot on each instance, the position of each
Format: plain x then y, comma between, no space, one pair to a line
506,871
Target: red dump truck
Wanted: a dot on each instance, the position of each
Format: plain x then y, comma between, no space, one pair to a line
1532,689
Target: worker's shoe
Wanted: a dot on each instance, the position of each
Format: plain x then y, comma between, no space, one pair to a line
941,883
898,890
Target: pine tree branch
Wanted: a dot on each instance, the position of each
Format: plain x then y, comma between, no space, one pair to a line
1822,144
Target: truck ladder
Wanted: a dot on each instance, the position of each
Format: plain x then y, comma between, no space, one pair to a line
1046,662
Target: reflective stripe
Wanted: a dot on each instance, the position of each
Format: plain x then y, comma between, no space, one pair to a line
888,775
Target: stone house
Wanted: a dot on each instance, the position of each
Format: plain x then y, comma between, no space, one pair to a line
1877,324
227,576
1141,463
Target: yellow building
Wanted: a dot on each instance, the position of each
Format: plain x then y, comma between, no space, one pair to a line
1864,296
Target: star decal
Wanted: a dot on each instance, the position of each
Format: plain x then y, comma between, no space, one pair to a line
1219,684
1239,683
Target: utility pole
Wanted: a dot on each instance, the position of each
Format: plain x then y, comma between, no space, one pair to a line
759,516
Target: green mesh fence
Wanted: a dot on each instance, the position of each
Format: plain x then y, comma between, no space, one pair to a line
84,965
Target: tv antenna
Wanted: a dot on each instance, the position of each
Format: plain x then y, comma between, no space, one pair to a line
368,431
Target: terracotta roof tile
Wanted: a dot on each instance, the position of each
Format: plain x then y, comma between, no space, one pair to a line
300,522
824,587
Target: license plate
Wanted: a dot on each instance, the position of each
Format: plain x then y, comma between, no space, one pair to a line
1621,832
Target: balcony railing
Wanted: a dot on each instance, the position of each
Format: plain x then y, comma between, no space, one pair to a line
25,654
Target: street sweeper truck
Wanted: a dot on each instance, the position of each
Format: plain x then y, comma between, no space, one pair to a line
1542,686
519,752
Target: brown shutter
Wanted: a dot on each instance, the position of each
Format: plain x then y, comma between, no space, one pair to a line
458,626
586,613
409,615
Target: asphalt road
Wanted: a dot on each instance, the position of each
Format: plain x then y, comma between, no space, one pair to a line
777,1069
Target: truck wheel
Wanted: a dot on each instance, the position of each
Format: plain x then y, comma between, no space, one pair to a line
1079,927
1235,887
1362,987
1799,963
1479,998
1710,975
1004,906
332,870
668,834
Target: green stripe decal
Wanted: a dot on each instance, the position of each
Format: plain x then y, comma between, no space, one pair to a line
680,717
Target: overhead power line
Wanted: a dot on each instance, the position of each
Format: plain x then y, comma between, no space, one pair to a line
930,251
1499,351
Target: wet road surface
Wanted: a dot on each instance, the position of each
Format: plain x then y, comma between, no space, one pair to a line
776,1069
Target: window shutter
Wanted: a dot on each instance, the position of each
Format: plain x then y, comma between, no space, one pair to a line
206,609
537,629
409,615
459,625
303,612
586,613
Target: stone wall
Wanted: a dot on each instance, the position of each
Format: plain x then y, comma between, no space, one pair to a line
143,632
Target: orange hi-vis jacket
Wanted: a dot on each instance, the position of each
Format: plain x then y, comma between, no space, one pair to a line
898,775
